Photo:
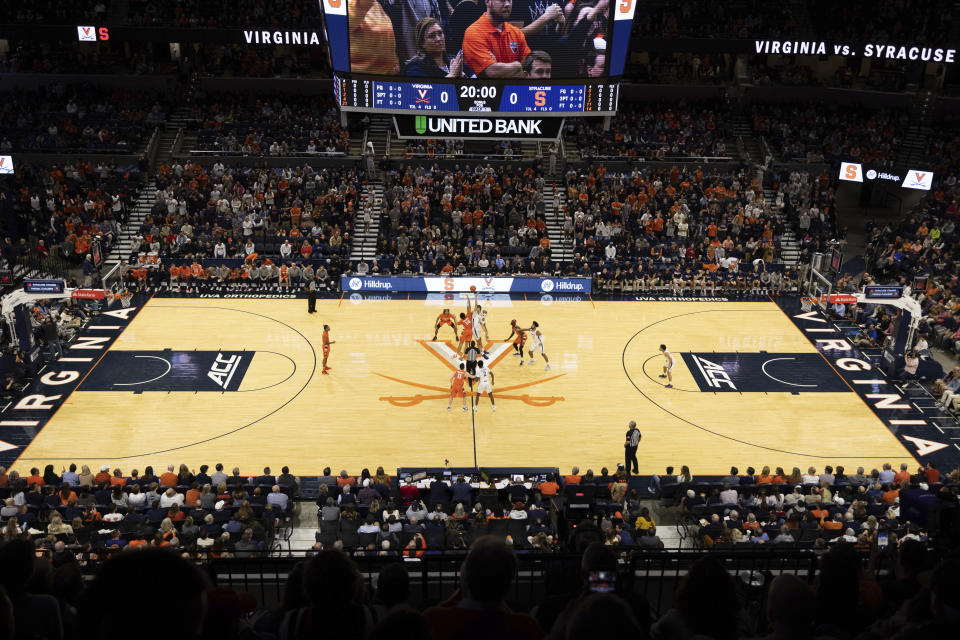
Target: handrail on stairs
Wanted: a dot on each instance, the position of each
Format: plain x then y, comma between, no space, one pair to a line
153,147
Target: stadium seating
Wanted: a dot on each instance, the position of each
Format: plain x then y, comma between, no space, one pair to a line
275,125
355,512
202,14
477,218
80,118
814,133
655,131
53,12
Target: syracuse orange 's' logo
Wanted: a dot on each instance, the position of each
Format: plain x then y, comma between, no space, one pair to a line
447,354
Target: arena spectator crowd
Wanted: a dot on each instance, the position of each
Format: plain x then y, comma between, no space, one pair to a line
206,14
26,56
471,218
686,230
689,19
80,118
272,125
822,132
654,131
129,525
53,12
244,227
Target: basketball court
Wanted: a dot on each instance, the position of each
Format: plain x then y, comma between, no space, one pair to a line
239,381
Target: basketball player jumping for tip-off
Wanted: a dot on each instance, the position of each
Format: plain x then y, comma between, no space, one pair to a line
667,366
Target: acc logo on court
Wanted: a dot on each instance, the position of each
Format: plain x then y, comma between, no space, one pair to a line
547,285
222,375
713,373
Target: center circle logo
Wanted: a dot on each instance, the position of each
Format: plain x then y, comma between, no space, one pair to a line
546,285
356,283
871,174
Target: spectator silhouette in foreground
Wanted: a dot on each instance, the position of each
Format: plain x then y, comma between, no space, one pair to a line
603,615
34,615
331,584
478,610
113,608
705,604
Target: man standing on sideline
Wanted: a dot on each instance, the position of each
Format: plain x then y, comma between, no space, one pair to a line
630,448
52,336
312,295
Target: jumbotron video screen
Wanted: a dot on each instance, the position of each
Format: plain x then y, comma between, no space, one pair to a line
522,56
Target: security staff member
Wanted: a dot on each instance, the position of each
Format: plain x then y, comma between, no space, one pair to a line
312,295
630,448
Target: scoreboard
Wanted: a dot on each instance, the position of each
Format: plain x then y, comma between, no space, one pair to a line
399,96
570,63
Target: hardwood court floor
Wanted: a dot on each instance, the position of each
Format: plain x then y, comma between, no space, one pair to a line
385,402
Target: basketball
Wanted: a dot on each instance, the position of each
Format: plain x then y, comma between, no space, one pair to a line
473,287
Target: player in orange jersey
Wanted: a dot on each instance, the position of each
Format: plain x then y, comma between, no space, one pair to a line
174,276
466,327
284,280
326,348
456,386
519,340
445,318
196,274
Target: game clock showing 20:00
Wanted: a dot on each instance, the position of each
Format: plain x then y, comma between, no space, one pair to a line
399,97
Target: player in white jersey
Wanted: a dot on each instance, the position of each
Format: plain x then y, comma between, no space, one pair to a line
480,326
536,344
667,366
484,378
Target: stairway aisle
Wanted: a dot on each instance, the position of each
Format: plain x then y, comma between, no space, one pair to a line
365,241
124,245
561,250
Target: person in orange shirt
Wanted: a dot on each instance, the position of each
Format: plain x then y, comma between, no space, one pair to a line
456,386
548,488
35,478
326,348
284,275
574,477
494,48
902,475
117,479
344,479
104,476
373,45
168,479
890,494
445,318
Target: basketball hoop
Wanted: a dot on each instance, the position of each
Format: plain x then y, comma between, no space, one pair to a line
125,298
807,303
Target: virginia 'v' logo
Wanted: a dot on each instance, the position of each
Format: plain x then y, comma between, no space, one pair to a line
447,354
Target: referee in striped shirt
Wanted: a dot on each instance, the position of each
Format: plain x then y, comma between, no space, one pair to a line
630,448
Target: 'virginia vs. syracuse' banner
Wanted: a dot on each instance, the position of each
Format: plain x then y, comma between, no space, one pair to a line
441,284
